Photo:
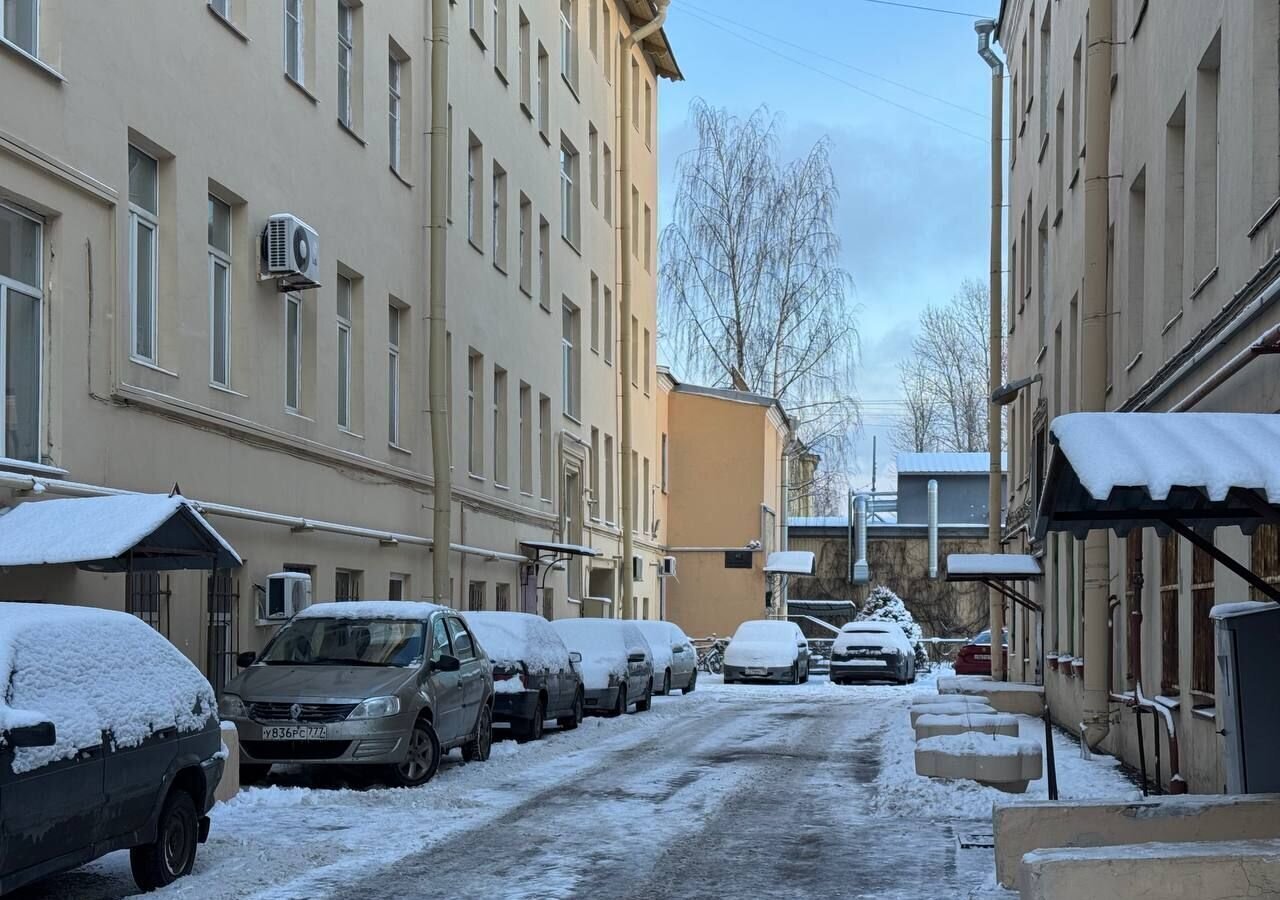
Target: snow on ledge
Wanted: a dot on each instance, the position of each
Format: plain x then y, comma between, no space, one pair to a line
789,562
993,565
1243,608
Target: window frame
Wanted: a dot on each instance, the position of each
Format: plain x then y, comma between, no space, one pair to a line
220,258
393,374
142,219
346,62
475,415
394,71
10,284
571,358
34,52
342,349
498,211
293,301
501,471
295,11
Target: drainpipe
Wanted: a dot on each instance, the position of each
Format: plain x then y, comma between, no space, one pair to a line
861,571
624,332
933,528
1096,710
995,602
437,356
784,583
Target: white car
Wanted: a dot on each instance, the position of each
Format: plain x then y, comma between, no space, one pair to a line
878,651
617,664
675,662
767,649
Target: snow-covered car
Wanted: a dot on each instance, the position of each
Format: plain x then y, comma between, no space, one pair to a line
768,649
617,664
870,650
109,740
974,658
385,683
535,677
675,662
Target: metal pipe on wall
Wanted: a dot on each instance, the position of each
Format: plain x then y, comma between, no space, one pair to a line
933,527
861,571
438,354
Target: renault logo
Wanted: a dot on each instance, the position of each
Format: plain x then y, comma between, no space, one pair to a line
295,711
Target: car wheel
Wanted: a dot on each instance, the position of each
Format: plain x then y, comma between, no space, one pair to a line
795,672
253,773
477,749
645,703
532,730
422,760
574,719
804,679
666,683
173,852
693,682
620,706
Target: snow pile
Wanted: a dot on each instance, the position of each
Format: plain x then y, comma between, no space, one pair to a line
973,743
872,634
883,605
399,610
1243,608
509,686
661,637
92,670
602,645
513,638
764,643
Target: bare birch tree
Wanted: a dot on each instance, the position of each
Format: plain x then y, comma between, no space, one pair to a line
752,288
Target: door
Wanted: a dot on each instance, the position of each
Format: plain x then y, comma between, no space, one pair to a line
683,659
471,674
132,778
445,692
51,811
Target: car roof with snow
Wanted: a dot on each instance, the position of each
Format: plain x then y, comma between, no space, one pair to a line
517,637
406,610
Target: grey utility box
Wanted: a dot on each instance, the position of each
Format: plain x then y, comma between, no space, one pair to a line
1248,635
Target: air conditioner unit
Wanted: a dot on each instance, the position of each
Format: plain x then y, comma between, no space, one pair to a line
668,567
637,567
290,253
287,594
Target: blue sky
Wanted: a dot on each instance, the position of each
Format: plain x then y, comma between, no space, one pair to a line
913,212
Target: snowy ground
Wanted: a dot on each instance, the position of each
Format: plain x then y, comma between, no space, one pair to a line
733,791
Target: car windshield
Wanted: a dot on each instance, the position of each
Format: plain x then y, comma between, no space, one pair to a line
866,629
768,632
347,642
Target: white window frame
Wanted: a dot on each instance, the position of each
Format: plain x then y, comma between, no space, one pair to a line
220,262
393,375
343,346
607,299
571,324
346,61
393,111
525,401
294,12
526,245
501,473
28,291
143,220
293,404
475,159
498,227
523,51
545,466
34,52
567,48
544,91
475,419
568,192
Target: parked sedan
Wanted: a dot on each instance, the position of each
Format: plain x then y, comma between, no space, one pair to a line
767,649
974,658
387,684
675,662
109,740
874,651
535,677
617,664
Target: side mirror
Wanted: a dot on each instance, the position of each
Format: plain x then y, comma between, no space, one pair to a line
42,734
246,659
677,648
635,658
575,656
447,663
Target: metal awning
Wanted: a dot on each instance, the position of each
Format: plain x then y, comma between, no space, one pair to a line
996,570
789,562
1184,472
558,549
117,533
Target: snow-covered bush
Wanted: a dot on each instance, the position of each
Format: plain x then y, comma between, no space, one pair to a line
883,605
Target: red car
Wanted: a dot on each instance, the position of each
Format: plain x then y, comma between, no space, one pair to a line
974,657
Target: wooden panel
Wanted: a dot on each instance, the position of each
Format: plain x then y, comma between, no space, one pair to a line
1169,614
1265,556
1202,594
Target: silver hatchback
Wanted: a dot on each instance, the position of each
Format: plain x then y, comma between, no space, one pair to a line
375,683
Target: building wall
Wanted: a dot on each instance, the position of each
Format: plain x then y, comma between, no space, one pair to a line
1193,240
961,498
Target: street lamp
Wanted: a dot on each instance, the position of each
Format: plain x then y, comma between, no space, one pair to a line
1007,393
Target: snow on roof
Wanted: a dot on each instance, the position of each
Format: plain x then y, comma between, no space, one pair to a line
1243,608
947,463
991,565
561,549
790,562
95,529
407,610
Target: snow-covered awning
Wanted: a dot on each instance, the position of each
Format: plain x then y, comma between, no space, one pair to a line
789,562
142,532
993,566
1127,470
560,549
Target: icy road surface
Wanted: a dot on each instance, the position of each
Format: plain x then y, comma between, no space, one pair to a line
733,791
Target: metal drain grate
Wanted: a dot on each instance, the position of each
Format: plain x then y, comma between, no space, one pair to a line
976,840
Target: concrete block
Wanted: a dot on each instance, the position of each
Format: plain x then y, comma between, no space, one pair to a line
229,786
951,684
1005,696
932,725
1178,871
1025,826
977,708
1004,762
940,699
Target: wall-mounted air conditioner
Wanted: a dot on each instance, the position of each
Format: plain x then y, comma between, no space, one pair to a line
290,253
668,567
287,594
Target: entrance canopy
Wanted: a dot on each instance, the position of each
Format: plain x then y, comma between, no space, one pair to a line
118,533
789,562
996,570
559,549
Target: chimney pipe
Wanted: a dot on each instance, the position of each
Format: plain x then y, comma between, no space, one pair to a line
861,572
933,528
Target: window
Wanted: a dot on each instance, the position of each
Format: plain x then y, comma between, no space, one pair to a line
648,238
526,245
475,19
346,585
440,633
393,375
646,362
21,257
1077,107
498,238
499,14
499,426
344,352
568,191
219,292
665,463
1046,298
397,586
20,25
648,115
143,267
522,63
502,597
475,165
608,479
1175,205
449,162
635,95
293,352
1206,163
595,313
346,60
635,222
607,156
1059,158
646,523
593,37
568,41
1135,302
475,405
593,164
1045,31
595,474
1202,596
221,7
608,326
635,490
475,596
570,350
1169,614
526,439
544,263
393,111
294,40
544,445
635,351
608,41
544,90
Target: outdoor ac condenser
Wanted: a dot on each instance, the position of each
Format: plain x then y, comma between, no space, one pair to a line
287,594
1248,685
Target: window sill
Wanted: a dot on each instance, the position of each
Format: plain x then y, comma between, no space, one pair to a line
400,178
148,364
501,267
1265,217
1204,282
502,76
306,91
297,415
1205,712
528,494
1044,145
595,350
542,133
1057,220
570,85
502,487
349,433
524,290
1044,348
572,246
1133,362
223,389
476,247
1075,176
524,108
572,418
398,449
351,132
609,363
33,61
30,468
545,305
474,477
227,23
475,35
1177,317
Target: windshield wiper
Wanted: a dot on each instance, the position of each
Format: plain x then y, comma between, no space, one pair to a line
330,661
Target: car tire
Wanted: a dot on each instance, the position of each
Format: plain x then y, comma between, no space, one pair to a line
477,749
804,679
532,730
645,703
620,706
693,682
423,759
173,852
253,773
574,719
666,684
795,672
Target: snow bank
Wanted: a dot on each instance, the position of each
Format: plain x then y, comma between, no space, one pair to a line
973,743
92,670
513,638
764,643
400,610
603,648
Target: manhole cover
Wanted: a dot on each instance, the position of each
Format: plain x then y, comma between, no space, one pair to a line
976,840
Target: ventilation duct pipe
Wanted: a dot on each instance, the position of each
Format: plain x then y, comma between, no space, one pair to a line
933,528
861,571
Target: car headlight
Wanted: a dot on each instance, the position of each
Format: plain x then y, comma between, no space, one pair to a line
376,708
231,707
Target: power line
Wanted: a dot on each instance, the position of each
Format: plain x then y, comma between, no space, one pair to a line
933,9
836,78
840,62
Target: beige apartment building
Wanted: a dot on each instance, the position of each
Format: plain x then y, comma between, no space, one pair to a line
1193,271
143,347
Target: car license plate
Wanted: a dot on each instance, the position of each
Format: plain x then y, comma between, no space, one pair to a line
294,732
983,657
760,672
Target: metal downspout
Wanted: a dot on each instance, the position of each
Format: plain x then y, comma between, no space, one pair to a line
437,356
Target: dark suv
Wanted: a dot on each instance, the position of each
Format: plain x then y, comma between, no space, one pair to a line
109,740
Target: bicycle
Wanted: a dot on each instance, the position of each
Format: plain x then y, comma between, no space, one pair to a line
711,655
